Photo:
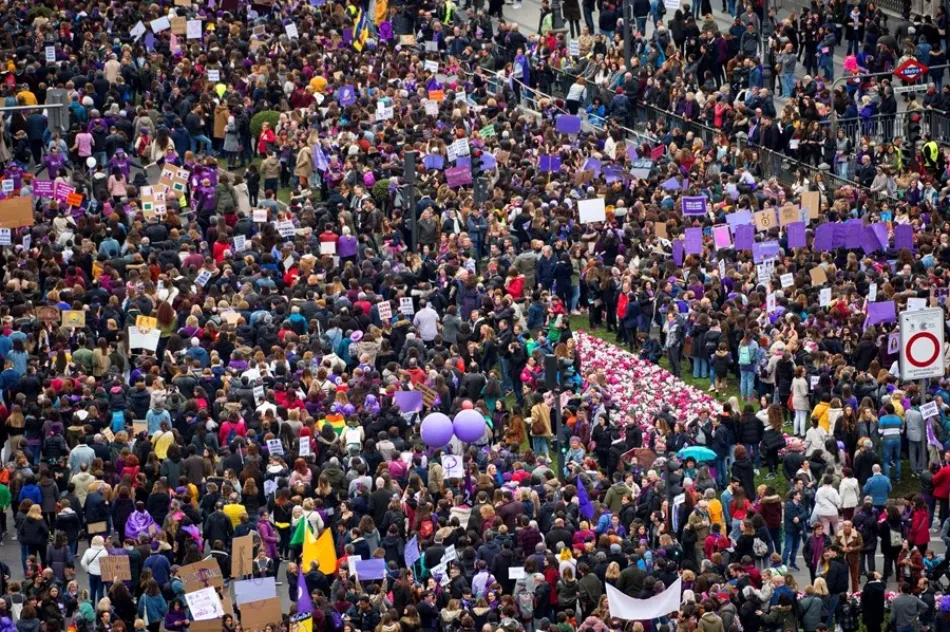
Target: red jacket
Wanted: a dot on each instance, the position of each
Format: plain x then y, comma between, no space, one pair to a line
942,483
920,527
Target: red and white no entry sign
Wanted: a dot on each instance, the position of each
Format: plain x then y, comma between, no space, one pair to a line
921,344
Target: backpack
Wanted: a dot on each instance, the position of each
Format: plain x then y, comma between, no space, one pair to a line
537,427
232,433
334,620
525,601
745,355
760,548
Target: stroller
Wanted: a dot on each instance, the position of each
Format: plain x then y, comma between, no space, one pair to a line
936,573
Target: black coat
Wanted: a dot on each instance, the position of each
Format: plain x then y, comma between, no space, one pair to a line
743,470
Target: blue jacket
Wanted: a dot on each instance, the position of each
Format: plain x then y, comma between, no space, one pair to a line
155,607
161,570
31,492
878,487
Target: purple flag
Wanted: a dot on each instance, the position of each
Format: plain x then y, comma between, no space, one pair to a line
671,185
568,124
694,205
869,241
678,252
796,234
881,312
904,236
694,241
613,174
464,161
149,42
632,152
488,161
385,31
304,603
320,162
583,500
745,237
824,237
434,161
739,218
593,163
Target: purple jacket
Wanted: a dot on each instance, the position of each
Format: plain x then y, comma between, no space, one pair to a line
346,246
269,537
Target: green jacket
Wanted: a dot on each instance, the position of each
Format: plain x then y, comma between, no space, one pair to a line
5,497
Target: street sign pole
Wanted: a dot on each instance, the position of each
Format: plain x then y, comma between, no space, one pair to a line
409,175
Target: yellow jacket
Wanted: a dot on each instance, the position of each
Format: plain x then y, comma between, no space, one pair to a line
821,411
234,511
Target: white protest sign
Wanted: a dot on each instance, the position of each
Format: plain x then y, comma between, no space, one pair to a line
260,215
453,466
203,277
771,304
304,448
431,107
450,554
916,304
214,75
431,66
385,311
275,447
50,54
872,292
630,609
286,229
824,297
204,604
929,410
193,29
138,30
894,342
161,24
405,306
240,243
6,237
144,339
258,394
574,48
291,30
592,210
328,248
812,382
788,280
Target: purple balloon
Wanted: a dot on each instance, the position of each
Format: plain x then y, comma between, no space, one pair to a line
469,425
436,430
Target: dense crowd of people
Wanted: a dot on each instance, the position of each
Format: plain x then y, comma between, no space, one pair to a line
232,309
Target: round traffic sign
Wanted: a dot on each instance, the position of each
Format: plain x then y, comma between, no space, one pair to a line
922,349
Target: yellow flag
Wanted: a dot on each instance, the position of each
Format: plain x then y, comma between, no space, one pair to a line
321,551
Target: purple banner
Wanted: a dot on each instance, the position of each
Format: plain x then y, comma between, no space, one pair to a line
568,124
796,234
613,174
594,164
62,191
745,237
458,176
694,241
882,312
839,237
904,236
879,230
694,205
854,235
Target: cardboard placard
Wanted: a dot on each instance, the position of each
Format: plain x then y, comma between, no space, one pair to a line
179,25
812,201
765,220
818,276
256,615
116,567
660,230
201,575
139,427
16,212
788,214
242,556
74,318
97,527
48,314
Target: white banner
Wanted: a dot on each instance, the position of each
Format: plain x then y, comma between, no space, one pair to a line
630,609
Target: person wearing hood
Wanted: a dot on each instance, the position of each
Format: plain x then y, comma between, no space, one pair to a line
90,563
69,524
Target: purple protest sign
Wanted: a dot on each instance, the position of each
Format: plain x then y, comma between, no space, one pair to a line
367,570
458,176
43,188
408,401
385,31
678,252
149,42
739,218
839,237
550,163
882,312
62,191
694,241
463,161
745,237
593,164
796,234
904,236
613,174
694,205
434,161
347,37
671,185
568,124
879,230
721,236
346,96
761,251
854,234
824,237
488,161
632,152
868,241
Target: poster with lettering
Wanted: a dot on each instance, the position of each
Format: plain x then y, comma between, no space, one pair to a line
694,205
